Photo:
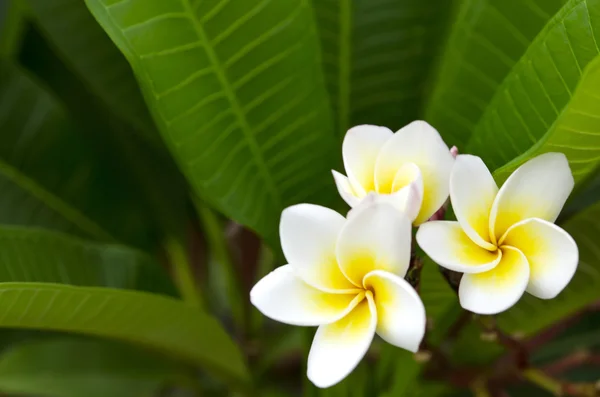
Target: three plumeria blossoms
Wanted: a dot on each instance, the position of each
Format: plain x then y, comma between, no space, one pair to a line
346,274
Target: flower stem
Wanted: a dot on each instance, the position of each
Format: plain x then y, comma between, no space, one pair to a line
184,276
539,378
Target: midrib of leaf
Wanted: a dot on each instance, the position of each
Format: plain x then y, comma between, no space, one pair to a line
245,127
344,63
54,203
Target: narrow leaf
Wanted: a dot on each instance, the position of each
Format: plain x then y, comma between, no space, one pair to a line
143,319
83,192
35,255
73,367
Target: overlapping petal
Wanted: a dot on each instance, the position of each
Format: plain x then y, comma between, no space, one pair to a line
551,252
421,144
338,347
497,289
376,236
360,150
472,192
308,239
400,312
537,189
449,246
282,296
345,189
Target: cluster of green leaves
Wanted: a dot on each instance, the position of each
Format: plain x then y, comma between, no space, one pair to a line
117,115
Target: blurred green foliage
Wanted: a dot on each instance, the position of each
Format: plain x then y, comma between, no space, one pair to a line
148,147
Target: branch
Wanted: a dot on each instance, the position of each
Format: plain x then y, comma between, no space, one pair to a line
571,361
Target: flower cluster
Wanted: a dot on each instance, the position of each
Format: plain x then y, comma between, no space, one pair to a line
346,274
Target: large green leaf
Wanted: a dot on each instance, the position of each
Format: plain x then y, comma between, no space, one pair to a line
531,314
377,55
540,105
73,367
54,176
487,39
91,54
153,321
239,97
575,132
35,255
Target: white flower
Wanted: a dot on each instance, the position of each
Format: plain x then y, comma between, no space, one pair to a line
505,241
345,276
410,168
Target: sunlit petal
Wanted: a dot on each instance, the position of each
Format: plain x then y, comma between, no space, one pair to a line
498,289
374,237
447,244
400,312
308,239
537,189
551,252
338,348
472,192
421,144
283,297
360,149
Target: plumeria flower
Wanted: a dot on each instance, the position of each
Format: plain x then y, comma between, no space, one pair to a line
505,241
346,277
410,169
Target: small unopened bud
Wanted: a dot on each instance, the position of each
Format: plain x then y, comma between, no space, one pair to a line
454,151
422,356
489,336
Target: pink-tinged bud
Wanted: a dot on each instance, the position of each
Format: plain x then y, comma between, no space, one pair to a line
454,151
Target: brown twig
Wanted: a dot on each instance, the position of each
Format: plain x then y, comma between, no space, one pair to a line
576,359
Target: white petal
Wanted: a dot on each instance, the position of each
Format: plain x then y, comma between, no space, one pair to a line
537,189
284,297
447,244
408,190
400,311
472,192
308,239
338,348
421,144
374,237
345,189
498,289
360,149
551,252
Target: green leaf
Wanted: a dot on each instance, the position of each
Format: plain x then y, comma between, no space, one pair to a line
575,132
439,299
488,37
84,192
239,97
142,319
12,27
531,314
90,53
72,367
539,105
30,255
377,56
